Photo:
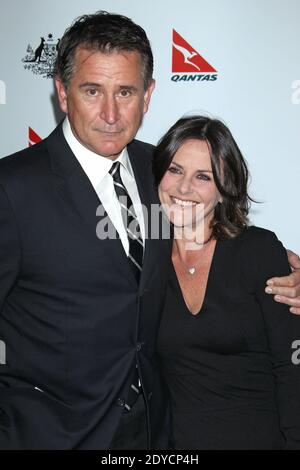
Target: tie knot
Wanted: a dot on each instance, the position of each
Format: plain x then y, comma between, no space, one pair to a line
115,169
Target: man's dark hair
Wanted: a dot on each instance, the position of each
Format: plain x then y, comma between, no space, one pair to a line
228,165
104,32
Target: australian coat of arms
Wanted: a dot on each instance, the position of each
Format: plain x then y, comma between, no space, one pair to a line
41,59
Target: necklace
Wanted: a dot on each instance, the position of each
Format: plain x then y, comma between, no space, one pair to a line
192,269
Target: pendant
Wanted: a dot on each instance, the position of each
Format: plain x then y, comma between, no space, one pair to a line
192,270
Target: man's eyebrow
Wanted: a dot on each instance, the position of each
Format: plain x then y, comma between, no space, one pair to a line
85,84
128,87
98,85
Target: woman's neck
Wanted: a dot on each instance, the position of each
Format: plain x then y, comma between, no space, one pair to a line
188,243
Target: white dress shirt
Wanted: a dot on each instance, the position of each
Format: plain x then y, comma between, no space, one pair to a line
97,169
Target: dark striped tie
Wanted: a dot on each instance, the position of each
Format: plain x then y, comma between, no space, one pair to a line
136,248
135,257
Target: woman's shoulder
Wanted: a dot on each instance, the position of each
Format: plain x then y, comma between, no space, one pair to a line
254,234
254,244
259,241
263,252
253,238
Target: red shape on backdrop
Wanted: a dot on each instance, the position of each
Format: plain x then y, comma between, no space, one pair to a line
186,58
33,137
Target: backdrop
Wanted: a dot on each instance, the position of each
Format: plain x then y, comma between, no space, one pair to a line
238,60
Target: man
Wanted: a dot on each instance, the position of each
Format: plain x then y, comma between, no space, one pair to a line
79,315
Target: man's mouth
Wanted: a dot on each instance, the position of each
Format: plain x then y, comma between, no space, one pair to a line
110,133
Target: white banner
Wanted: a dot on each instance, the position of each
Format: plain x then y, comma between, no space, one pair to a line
236,60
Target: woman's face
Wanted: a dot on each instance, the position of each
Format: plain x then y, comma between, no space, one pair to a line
187,190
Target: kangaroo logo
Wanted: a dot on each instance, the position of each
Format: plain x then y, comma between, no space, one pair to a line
38,51
186,59
40,59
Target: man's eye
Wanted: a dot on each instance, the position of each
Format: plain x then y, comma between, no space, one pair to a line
92,92
125,93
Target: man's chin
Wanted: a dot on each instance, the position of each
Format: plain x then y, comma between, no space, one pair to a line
109,151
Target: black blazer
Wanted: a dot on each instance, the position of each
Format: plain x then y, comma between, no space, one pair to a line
72,316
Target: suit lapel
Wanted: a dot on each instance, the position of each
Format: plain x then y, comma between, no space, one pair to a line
76,190
142,168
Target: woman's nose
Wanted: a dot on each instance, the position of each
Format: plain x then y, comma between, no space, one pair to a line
185,185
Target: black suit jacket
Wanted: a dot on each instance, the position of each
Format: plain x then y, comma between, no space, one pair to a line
72,316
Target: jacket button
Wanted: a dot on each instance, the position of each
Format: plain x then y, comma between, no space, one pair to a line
139,346
120,402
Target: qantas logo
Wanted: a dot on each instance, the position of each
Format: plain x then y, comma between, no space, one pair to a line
33,138
185,59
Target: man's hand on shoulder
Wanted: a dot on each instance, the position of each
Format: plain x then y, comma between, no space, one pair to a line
287,289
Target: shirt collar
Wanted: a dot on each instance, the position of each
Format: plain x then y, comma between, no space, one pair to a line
95,166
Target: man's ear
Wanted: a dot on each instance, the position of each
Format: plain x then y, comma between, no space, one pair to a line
62,95
147,95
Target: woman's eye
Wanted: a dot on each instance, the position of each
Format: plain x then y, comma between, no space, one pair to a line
203,177
173,169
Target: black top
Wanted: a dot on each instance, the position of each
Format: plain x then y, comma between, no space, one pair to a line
229,369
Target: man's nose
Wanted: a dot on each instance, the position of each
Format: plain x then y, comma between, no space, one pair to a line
109,110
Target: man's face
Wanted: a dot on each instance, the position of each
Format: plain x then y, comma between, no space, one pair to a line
105,99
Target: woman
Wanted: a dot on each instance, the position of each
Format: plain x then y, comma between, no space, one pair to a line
225,345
